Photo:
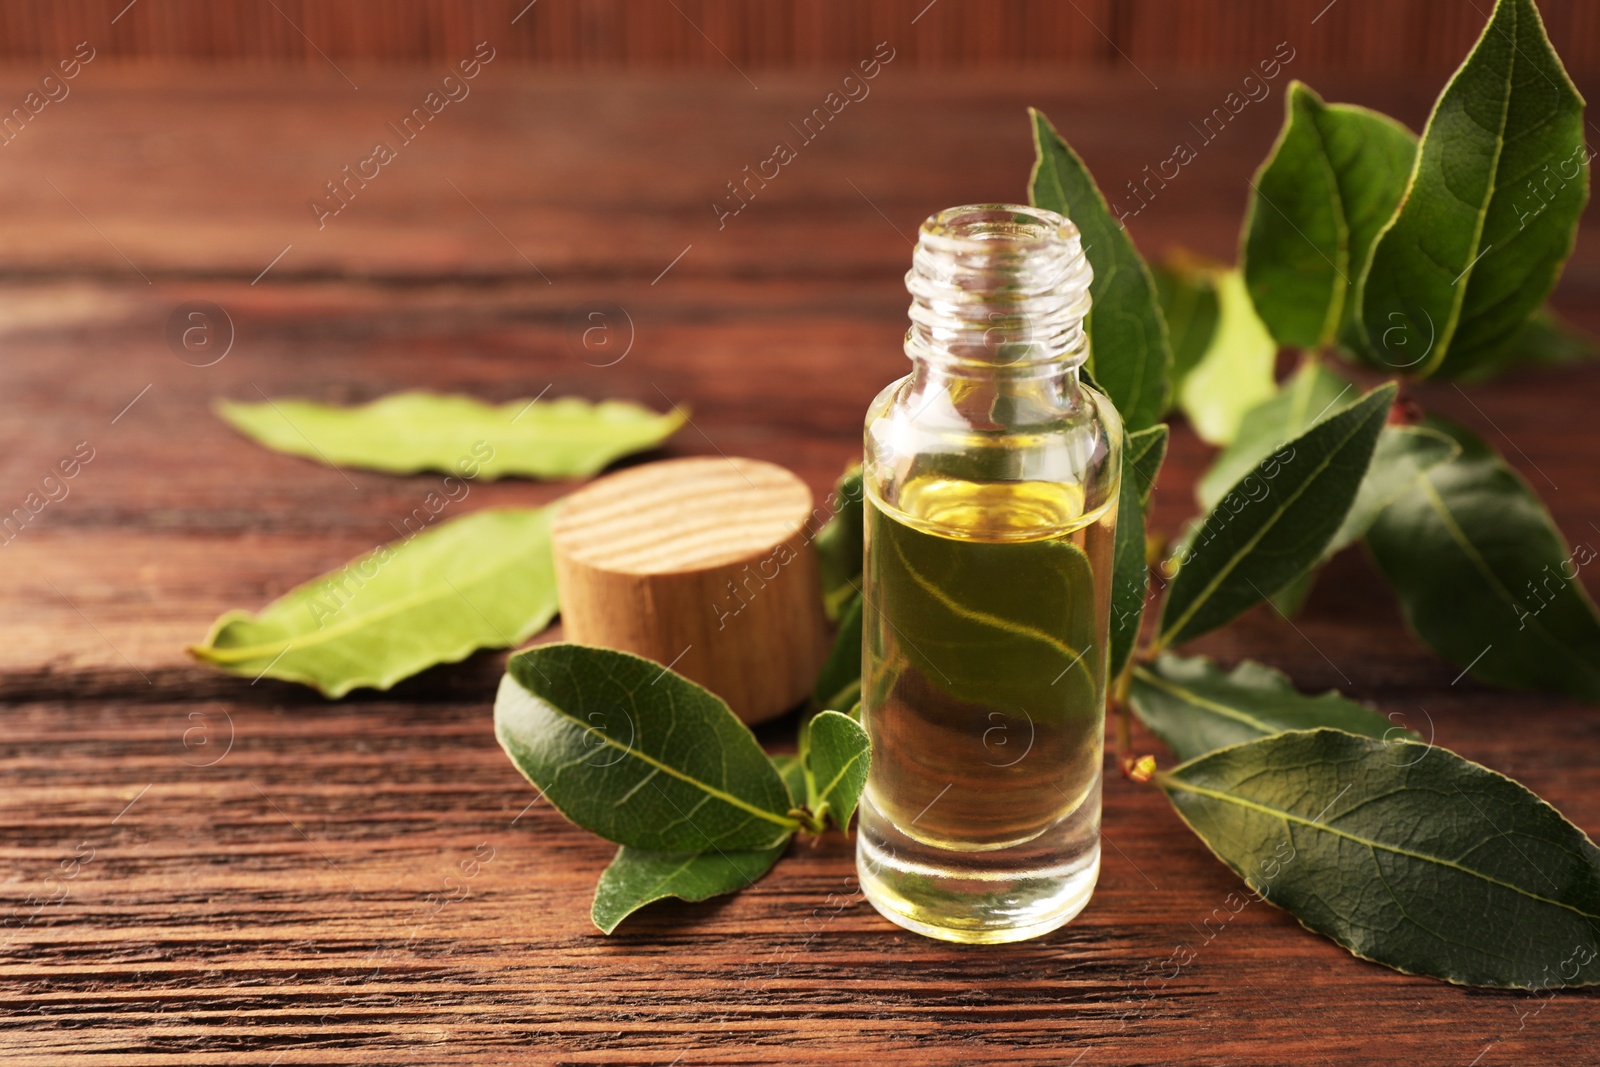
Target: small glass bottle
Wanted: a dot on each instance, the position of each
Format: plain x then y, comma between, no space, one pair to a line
991,483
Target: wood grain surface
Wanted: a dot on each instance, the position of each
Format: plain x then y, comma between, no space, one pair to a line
198,869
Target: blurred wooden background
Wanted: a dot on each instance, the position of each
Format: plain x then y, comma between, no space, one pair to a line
1379,36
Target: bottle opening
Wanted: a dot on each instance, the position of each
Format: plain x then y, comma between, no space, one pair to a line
993,230
998,285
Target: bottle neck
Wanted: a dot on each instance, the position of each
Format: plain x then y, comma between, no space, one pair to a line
998,291
993,399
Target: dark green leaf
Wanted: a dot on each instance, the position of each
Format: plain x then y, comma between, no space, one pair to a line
1235,373
1402,454
976,631
1124,319
1545,340
836,755
1405,854
1276,522
839,681
1313,392
1484,576
839,545
485,580
410,432
1147,449
793,773
637,754
1142,453
1188,296
1491,209
1195,708
1288,600
636,878
1333,180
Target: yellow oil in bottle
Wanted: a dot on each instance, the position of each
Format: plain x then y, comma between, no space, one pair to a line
986,609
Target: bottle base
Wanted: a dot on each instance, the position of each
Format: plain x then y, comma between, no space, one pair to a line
976,898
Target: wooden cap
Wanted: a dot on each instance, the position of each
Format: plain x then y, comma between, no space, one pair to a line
705,565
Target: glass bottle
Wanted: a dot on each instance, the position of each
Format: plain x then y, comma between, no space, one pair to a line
991,483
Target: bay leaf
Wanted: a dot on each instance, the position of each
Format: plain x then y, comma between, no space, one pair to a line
838,683
1402,455
485,580
410,432
1288,600
836,756
840,542
1195,707
1124,317
1142,453
1235,372
1491,209
1253,543
976,634
637,877
1484,576
1332,181
1187,292
1311,393
1545,340
793,773
626,749
1147,450
1404,853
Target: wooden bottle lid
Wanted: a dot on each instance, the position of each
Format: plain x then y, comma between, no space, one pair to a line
705,565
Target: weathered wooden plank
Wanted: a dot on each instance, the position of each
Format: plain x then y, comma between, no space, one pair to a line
277,901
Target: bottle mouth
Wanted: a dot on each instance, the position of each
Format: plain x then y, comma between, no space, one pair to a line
987,231
998,285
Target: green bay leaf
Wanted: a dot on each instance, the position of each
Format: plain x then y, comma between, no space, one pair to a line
1234,374
410,432
1188,296
1292,597
1403,454
1545,340
485,580
1124,317
838,684
1311,393
1333,180
979,631
840,542
837,755
637,877
793,773
1491,208
1484,576
1276,522
1195,707
1142,453
641,756
1403,853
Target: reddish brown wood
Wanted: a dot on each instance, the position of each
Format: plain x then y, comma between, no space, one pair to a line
268,901
728,36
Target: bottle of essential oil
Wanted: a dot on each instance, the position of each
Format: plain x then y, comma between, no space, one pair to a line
991,476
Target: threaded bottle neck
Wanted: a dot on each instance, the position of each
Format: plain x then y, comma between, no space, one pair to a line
998,288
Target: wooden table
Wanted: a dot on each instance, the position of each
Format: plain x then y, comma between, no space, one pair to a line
254,865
